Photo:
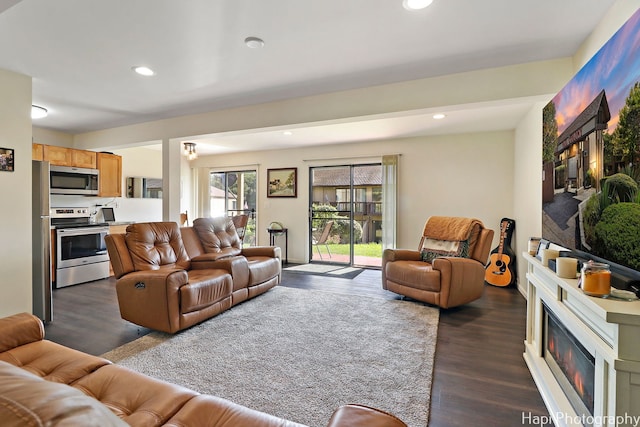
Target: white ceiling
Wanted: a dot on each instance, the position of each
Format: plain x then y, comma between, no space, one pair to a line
80,54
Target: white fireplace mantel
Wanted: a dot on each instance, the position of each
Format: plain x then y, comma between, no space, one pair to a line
609,329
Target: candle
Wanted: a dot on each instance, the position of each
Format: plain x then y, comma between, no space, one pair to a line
566,267
596,279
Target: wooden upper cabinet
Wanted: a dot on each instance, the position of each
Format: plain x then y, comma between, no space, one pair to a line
110,167
83,159
55,155
63,156
37,152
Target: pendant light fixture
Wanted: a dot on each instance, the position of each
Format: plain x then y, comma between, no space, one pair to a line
190,150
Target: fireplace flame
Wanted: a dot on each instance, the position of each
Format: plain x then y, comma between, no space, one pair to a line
566,358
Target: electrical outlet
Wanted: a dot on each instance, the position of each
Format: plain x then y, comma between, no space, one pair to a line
117,204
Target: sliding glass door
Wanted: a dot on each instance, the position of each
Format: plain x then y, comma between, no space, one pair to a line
234,193
345,215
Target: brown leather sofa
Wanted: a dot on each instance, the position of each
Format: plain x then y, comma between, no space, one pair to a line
437,274
44,384
168,283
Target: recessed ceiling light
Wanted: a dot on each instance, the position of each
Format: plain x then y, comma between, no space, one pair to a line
38,112
254,42
416,4
143,71
287,133
439,116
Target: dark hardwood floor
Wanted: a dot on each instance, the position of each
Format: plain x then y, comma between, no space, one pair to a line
480,377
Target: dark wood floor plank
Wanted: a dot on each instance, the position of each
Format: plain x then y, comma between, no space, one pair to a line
480,377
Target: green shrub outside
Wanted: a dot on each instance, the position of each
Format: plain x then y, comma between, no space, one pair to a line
340,229
616,234
590,217
621,188
617,188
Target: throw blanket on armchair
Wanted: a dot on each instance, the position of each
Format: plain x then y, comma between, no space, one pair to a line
448,236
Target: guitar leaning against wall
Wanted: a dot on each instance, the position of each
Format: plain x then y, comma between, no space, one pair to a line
500,270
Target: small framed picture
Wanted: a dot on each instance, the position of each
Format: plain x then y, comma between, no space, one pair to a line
544,244
282,182
6,159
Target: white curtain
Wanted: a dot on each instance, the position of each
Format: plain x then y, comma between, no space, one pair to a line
389,200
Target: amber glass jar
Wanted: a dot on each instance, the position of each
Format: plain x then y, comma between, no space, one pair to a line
595,279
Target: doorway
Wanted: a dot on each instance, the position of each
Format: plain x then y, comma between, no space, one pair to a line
345,215
234,193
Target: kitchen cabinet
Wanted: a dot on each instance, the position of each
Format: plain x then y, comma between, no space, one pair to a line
37,152
55,155
110,168
64,156
83,159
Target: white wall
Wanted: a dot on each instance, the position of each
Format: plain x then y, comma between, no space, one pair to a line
528,142
138,162
458,175
527,185
15,194
52,137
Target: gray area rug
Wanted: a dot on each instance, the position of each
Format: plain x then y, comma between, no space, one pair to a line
299,354
326,270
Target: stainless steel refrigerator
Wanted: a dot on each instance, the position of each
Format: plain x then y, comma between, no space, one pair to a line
41,242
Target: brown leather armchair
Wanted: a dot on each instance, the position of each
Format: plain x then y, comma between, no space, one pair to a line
448,268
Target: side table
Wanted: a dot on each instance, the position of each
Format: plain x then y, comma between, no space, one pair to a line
273,233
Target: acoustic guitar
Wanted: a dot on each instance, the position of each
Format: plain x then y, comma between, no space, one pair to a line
500,270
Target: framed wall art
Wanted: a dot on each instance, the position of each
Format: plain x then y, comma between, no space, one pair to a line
544,244
282,182
6,159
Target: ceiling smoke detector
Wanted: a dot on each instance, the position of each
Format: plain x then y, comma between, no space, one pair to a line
254,42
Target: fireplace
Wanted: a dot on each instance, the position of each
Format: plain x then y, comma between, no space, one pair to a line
583,352
571,364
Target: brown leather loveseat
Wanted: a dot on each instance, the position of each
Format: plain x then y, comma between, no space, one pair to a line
168,283
215,243
44,384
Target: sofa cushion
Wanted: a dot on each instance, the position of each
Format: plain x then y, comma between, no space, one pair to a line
262,269
218,236
136,398
205,287
28,400
52,361
156,244
415,274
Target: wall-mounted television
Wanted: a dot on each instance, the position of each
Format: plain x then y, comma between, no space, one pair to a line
591,159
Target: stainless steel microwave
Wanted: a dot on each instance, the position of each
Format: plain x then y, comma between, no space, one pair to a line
72,180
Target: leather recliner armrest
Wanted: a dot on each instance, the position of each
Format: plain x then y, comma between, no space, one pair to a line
390,255
363,416
20,329
267,251
461,280
151,298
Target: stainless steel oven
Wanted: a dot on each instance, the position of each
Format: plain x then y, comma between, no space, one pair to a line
81,254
